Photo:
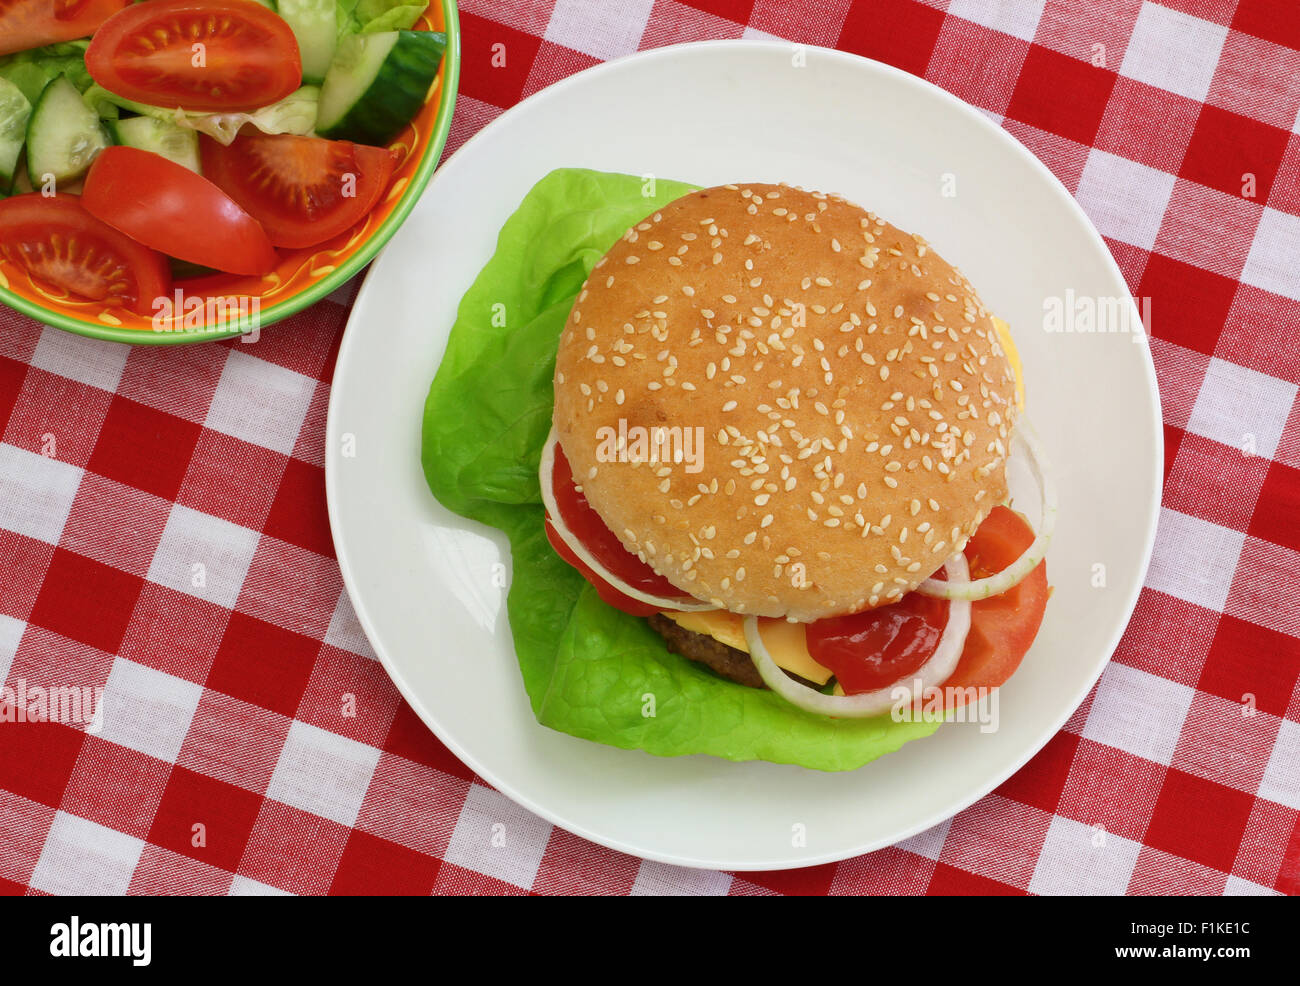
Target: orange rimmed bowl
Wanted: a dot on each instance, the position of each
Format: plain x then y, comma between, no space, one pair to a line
303,277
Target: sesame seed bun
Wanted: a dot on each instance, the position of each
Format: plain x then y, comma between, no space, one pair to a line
853,399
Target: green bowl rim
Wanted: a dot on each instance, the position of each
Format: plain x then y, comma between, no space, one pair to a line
331,282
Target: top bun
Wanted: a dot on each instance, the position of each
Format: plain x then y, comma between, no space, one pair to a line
853,401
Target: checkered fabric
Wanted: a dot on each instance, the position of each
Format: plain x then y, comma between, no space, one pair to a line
163,532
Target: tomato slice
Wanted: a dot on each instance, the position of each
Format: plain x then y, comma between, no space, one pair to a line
303,190
873,649
172,209
1002,627
607,592
201,55
67,248
581,518
35,23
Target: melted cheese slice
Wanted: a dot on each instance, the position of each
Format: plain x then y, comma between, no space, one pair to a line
785,641
1013,357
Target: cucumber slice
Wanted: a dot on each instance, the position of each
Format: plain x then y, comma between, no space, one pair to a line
377,83
315,25
14,113
146,133
63,134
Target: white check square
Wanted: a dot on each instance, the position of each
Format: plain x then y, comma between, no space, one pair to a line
323,773
1194,559
204,556
1281,781
1242,408
1018,18
243,886
663,880
147,710
1080,860
84,859
345,631
93,362
36,493
1174,51
1125,200
11,632
1138,712
599,28
496,837
1274,259
260,402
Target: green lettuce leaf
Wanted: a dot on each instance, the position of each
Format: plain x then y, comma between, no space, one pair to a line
33,69
589,670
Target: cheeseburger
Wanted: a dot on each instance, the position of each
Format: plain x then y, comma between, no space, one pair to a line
781,433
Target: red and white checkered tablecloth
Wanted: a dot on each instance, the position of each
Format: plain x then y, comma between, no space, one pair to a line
163,532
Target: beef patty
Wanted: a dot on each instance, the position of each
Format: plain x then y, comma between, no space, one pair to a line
723,659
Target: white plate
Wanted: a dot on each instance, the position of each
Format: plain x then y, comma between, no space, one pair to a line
425,583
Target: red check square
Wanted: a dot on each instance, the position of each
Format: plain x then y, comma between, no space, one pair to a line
36,758
263,664
298,513
808,881
1274,20
1061,94
738,11
901,33
144,448
1040,782
86,600
372,866
115,786
12,375
1233,153
952,881
495,60
1188,305
204,818
1277,518
1198,820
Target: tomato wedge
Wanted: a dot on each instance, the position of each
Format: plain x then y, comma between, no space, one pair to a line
172,209
67,248
303,190
203,55
1002,627
35,23
581,518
